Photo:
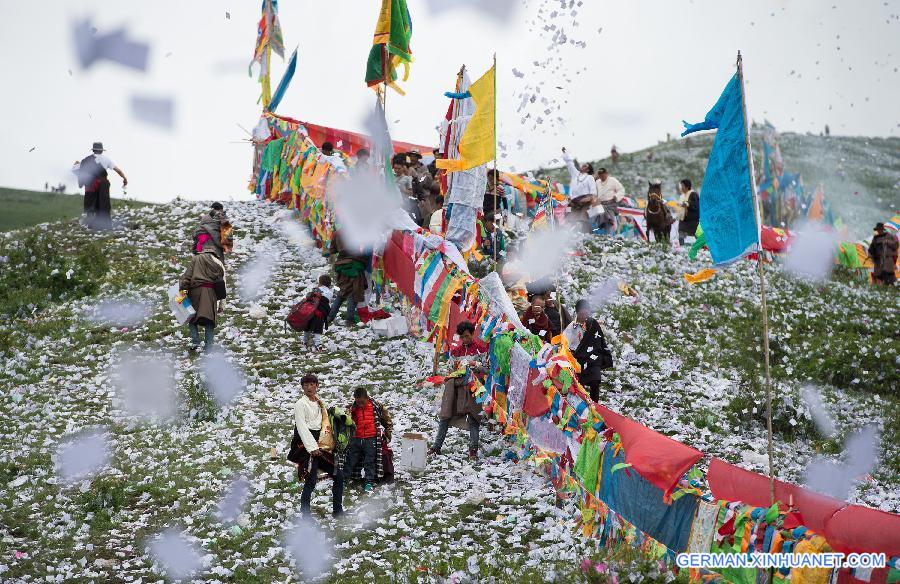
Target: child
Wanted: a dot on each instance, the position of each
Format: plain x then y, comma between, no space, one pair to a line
312,333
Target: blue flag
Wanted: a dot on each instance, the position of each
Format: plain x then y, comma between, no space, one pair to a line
727,212
285,81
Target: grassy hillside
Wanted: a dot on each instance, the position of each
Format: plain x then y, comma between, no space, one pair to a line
686,364
23,208
860,176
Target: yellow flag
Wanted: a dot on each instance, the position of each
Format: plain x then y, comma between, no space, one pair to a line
479,142
701,276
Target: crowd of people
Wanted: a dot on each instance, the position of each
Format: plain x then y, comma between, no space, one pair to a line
595,197
353,442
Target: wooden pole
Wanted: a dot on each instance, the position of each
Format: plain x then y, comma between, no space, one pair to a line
762,285
439,342
552,220
384,76
437,354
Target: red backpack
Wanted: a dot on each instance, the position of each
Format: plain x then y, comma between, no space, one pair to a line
304,311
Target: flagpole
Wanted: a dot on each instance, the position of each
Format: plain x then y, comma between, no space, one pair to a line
762,283
552,220
384,92
496,174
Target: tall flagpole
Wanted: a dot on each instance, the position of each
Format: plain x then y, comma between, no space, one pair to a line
496,174
552,219
384,92
762,283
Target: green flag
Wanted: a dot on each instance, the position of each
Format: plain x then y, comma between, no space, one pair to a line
390,45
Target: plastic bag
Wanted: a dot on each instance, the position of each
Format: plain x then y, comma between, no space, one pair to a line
180,305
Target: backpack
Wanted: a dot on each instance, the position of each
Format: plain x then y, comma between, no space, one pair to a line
88,171
304,311
342,427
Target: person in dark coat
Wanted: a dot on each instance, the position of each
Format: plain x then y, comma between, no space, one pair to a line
315,327
350,267
373,427
214,227
687,226
199,282
587,343
92,175
558,322
467,345
883,251
458,405
432,166
536,321
546,289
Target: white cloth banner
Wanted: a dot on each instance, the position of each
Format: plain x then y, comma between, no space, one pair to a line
518,377
499,301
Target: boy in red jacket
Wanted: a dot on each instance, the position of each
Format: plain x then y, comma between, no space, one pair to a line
368,418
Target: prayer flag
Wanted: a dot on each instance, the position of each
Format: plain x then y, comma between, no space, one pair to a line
478,144
268,39
728,213
701,276
390,45
283,84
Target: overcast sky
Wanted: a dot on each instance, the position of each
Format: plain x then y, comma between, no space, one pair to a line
637,69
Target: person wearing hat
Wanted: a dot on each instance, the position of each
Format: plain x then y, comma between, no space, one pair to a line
883,251
91,174
432,166
418,170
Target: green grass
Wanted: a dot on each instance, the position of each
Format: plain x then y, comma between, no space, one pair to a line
22,208
46,267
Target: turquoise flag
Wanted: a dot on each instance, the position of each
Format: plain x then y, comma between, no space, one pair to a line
727,214
285,81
